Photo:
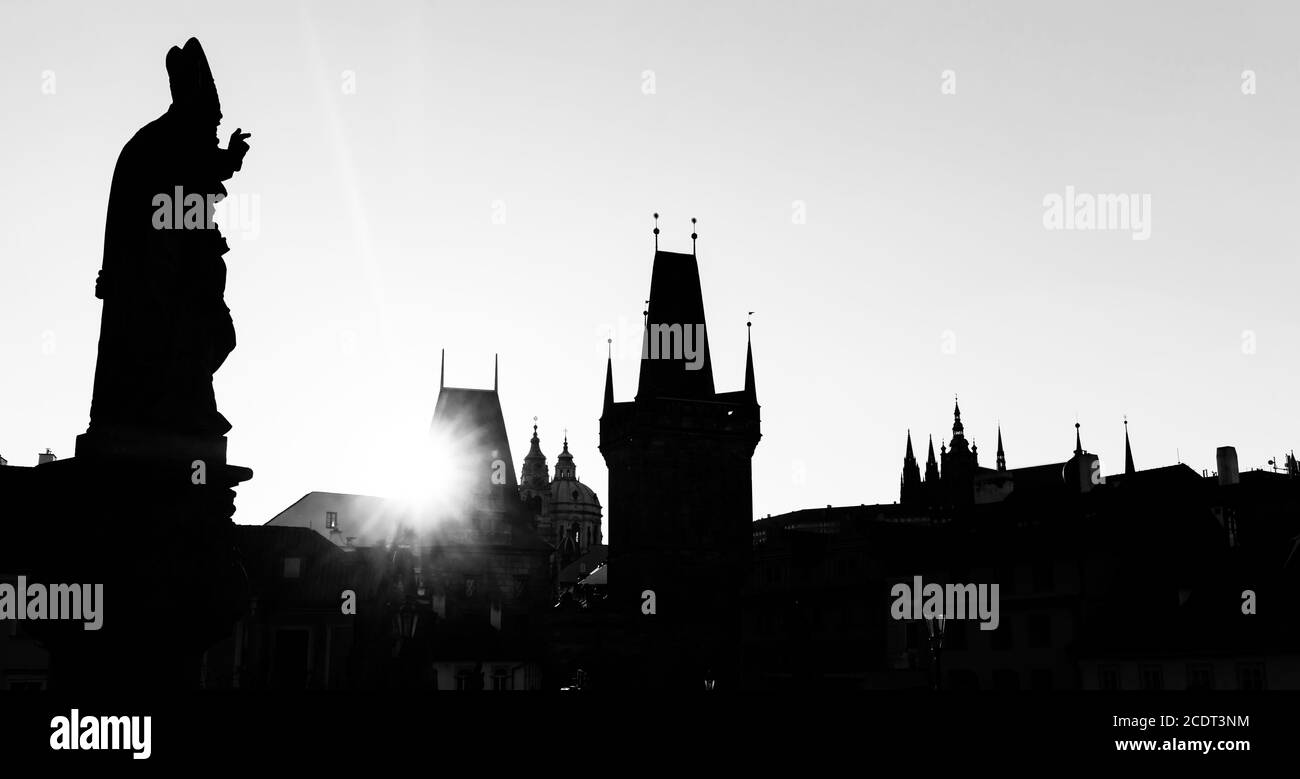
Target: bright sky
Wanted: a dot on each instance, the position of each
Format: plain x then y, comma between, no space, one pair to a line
480,177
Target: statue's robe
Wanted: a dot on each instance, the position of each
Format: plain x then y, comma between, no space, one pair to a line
165,328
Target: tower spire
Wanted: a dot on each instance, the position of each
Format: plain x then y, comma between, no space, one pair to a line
911,490
564,468
609,374
496,364
931,465
656,231
751,391
534,476
1002,457
1128,452
956,419
442,370
1078,444
694,235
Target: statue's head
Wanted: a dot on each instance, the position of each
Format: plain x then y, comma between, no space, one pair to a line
194,93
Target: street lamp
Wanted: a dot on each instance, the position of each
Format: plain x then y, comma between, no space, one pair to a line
936,627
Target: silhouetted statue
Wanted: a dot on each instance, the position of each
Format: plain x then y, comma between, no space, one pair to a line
165,327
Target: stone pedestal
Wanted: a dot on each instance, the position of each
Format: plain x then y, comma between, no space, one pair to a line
150,519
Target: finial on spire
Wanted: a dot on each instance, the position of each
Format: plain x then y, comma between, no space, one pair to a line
749,327
1078,444
495,368
442,370
656,231
609,348
694,235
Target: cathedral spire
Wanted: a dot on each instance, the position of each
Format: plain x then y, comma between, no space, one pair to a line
496,367
910,492
1078,444
1128,452
442,370
956,419
931,465
1002,456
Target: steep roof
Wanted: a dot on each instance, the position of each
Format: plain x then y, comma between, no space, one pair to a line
676,301
473,421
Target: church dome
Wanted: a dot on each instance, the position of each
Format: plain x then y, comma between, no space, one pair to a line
568,495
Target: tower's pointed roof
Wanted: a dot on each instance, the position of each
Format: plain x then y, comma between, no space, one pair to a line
909,456
956,419
472,421
1128,452
675,310
535,473
751,392
1078,442
609,378
1002,456
564,467
929,460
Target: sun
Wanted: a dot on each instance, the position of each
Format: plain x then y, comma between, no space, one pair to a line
423,477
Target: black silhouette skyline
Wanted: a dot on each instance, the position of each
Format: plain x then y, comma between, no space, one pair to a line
1112,576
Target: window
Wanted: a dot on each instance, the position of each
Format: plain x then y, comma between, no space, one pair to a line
501,680
292,567
331,520
1200,676
520,586
465,680
1108,677
1250,676
1151,677
1040,631
471,586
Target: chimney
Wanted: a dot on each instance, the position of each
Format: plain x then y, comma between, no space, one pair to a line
45,457
1227,458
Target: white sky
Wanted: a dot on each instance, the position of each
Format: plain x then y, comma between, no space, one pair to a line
377,244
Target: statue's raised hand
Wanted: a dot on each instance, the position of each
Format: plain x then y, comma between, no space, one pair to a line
238,144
